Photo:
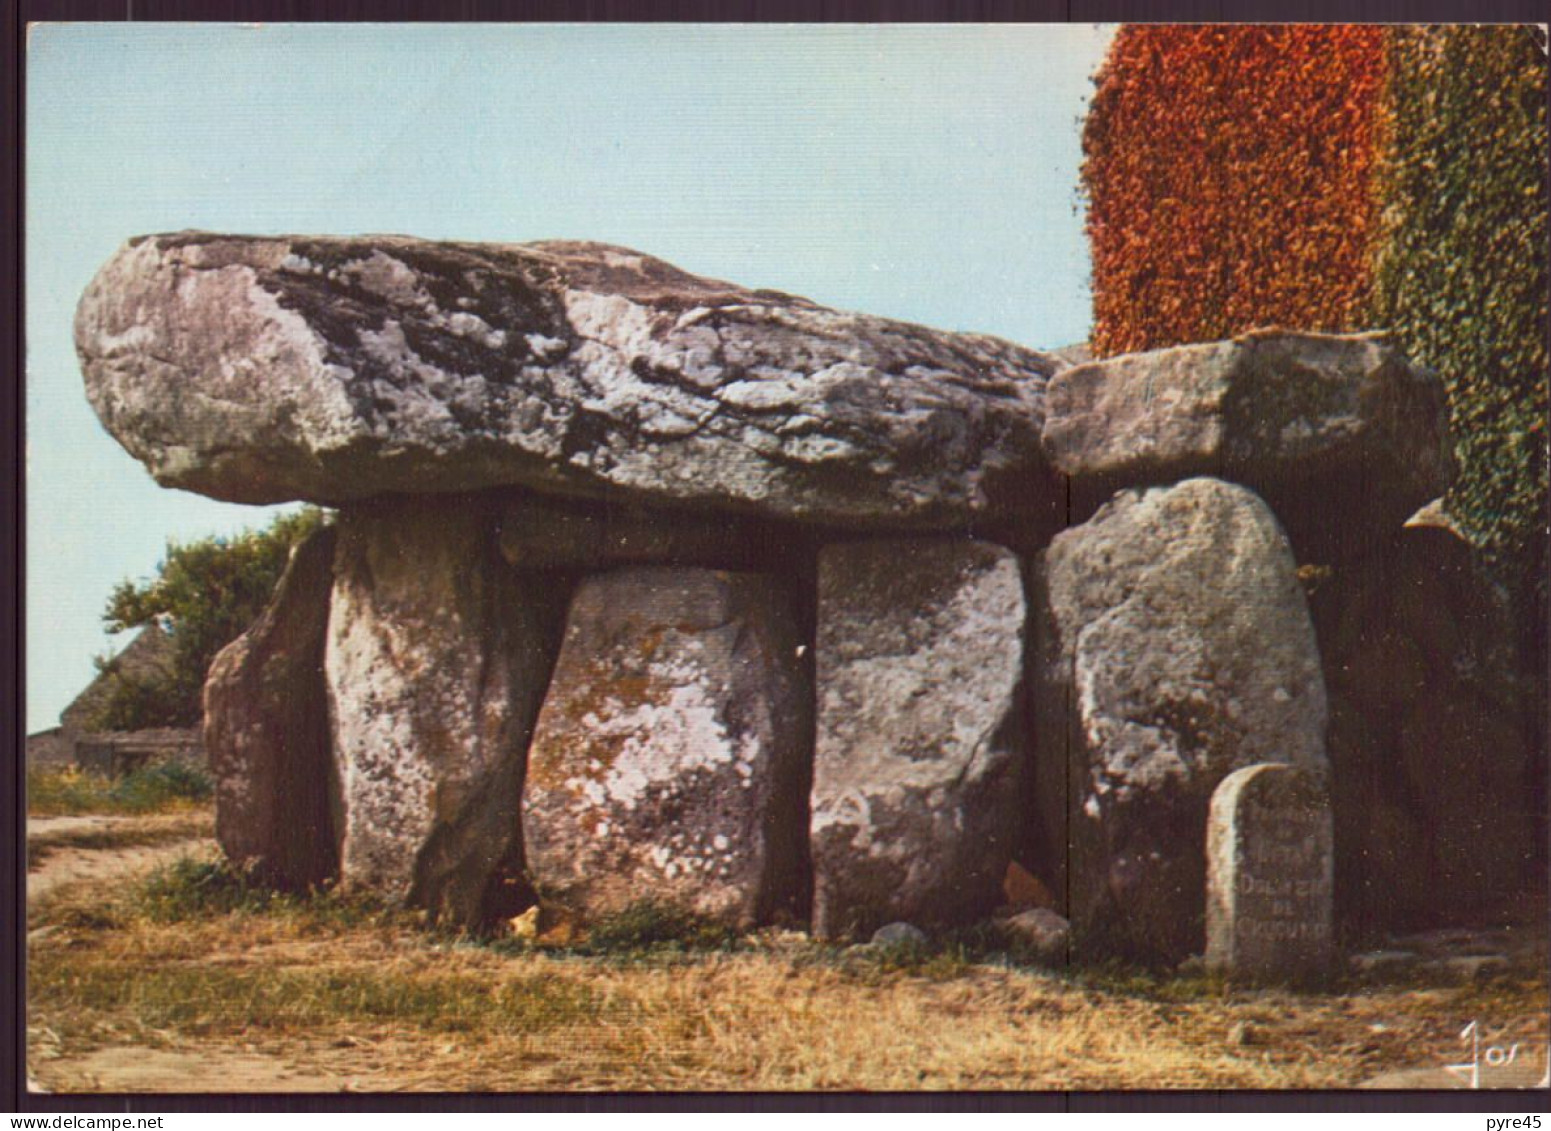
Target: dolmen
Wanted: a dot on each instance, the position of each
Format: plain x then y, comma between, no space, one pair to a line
650,588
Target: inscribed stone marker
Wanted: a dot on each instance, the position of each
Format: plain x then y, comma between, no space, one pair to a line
1269,874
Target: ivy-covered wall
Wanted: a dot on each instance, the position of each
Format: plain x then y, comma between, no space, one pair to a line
1461,262
1342,178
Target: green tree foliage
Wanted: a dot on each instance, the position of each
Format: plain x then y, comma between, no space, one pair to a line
1461,273
205,594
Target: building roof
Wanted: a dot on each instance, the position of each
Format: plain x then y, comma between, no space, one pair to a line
149,653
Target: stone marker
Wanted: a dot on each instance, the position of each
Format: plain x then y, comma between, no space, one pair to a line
1269,875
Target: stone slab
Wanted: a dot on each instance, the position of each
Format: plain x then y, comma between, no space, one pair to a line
1270,875
262,369
920,732
671,756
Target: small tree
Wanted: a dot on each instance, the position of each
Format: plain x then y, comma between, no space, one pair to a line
205,594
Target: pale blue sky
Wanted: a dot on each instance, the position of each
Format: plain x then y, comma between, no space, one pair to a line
925,173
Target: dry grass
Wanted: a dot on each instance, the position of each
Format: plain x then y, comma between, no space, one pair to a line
373,1000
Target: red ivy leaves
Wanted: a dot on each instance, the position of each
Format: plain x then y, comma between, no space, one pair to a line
1229,173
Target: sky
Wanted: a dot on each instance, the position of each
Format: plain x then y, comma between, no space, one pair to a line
927,173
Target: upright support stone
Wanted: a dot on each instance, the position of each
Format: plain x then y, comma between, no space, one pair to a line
266,730
671,757
1270,873
1437,757
437,660
1175,647
919,731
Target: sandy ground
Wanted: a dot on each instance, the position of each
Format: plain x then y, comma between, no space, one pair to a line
43,828
1528,1072
65,865
136,1068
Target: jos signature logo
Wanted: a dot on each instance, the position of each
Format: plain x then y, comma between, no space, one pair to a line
1495,1057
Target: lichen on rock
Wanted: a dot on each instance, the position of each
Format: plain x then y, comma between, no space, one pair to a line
262,369
920,731
670,760
1175,647
437,659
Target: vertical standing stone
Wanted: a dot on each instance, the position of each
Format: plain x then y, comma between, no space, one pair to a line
919,731
1437,759
266,730
437,660
1175,647
670,760
1269,875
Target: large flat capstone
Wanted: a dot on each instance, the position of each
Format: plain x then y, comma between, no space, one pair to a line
265,369
1301,418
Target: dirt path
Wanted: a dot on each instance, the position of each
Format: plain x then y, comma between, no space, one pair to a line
47,828
62,861
66,866
136,1067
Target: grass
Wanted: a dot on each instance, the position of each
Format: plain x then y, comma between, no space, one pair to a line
235,1002
166,787
191,888
200,962
650,927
